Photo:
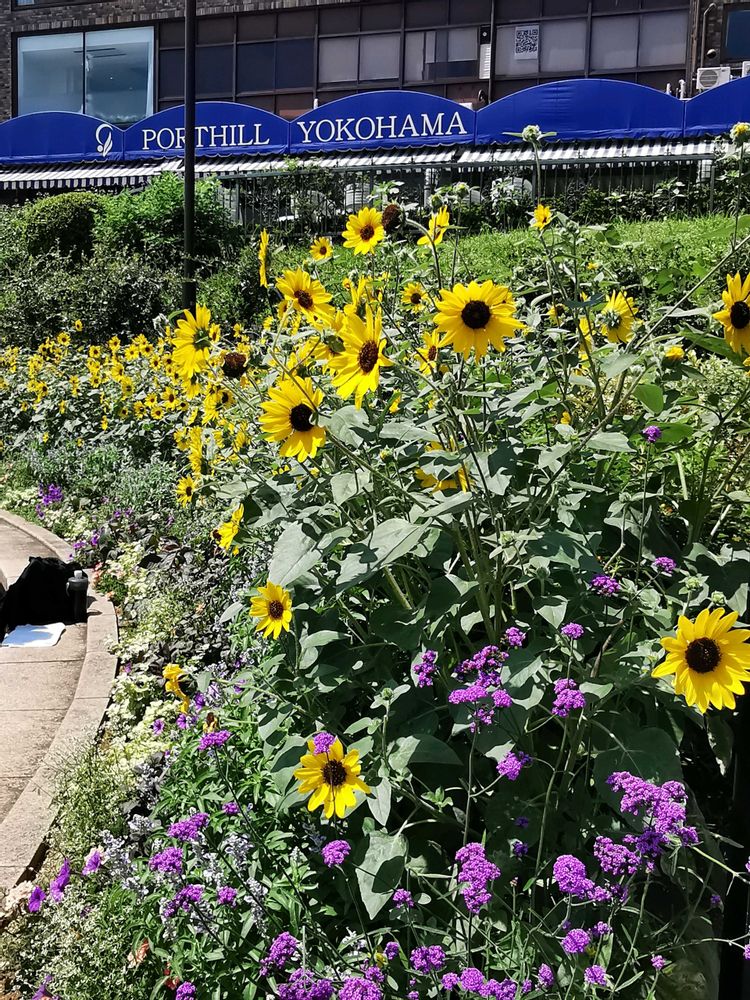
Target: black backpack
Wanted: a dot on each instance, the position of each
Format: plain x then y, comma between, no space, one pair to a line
39,596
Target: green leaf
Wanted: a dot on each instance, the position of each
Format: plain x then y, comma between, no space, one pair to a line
380,801
422,750
380,871
717,345
294,554
609,441
345,485
388,542
651,396
553,611
350,425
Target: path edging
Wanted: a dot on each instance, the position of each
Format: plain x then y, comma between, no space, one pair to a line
25,827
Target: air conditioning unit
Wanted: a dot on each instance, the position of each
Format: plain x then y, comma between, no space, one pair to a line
746,68
712,76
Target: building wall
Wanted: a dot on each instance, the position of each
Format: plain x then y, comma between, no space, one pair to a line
573,34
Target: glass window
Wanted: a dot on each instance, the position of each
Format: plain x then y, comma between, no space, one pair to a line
214,71
172,34
563,46
602,6
339,21
517,50
171,73
293,105
296,24
50,73
663,39
379,57
338,60
444,54
251,27
518,10
470,11
554,8
736,34
294,63
119,74
614,41
255,67
215,29
421,13
382,15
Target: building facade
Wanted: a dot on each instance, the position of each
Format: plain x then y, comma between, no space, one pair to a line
121,60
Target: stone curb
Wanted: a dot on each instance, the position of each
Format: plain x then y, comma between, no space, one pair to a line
25,828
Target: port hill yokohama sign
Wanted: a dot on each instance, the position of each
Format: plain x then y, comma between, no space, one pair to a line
386,119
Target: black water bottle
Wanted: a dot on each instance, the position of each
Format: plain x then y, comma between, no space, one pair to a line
77,589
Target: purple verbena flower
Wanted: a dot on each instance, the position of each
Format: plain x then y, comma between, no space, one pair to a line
335,853
658,962
576,941
425,668
595,975
402,899
545,976
652,433
226,896
515,637
450,981
569,873
664,565
428,958
567,698
283,948
474,875
605,586
230,809
168,862
391,950
572,631
323,742
511,764
472,980
355,988
185,991
519,848
213,740
303,985
188,829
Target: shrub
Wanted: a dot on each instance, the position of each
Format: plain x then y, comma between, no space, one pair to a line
151,221
63,223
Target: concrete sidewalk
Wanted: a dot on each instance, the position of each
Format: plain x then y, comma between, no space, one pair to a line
50,700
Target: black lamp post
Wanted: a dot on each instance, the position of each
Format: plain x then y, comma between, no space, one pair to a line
188,265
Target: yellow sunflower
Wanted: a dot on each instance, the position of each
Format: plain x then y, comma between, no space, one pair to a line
357,369
541,217
474,316
288,416
186,491
709,659
274,609
226,533
427,354
437,227
305,294
172,674
364,231
618,316
735,316
430,482
263,258
332,777
674,353
192,343
414,297
321,249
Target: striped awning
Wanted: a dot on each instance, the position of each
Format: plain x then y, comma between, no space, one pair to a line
92,175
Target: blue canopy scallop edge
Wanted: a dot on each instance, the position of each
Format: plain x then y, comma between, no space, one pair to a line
386,119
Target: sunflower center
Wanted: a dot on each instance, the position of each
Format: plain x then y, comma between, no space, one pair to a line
432,353
304,298
612,319
368,356
299,417
703,655
476,314
366,232
334,773
416,298
740,315
275,610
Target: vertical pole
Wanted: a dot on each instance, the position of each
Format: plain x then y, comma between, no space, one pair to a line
188,265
